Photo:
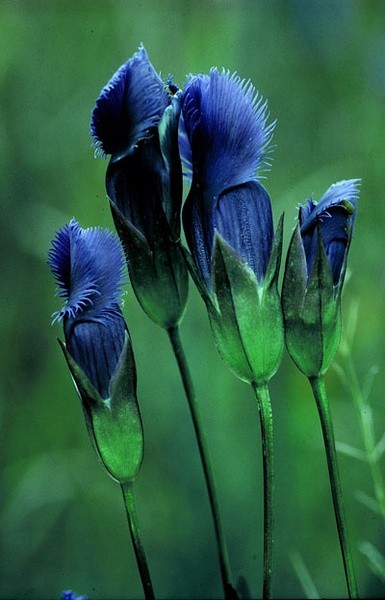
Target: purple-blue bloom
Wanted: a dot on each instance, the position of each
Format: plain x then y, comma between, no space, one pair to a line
333,216
131,103
88,267
224,138
70,595
144,178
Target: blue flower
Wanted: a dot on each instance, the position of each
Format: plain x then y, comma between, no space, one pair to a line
314,275
144,179
70,595
135,120
131,103
224,139
333,216
88,267
228,221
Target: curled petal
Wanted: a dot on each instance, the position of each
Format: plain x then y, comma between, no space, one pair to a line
225,121
88,267
131,103
334,217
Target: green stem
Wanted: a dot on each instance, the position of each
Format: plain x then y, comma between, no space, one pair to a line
130,506
230,593
319,391
266,420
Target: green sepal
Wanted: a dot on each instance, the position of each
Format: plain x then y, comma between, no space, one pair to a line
158,275
208,298
114,424
168,141
248,325
311,308
272,272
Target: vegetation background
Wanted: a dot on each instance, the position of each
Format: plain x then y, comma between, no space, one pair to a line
321,65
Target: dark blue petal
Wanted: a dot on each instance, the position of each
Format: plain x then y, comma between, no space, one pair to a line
225,122
96,347
199,230
88,266
334,217
139,185
244,219
131,103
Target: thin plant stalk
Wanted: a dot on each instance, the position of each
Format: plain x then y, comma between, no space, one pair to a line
266,421
368,435
130,506
229,590
319,391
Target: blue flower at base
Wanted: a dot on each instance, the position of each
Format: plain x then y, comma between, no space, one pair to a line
70,595
88,267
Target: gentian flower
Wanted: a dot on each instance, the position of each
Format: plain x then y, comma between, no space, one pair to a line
70,595
228,220
88,267
314,275
135,120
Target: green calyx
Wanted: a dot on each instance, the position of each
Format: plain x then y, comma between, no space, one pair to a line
114,424
311,308
246,316
159,274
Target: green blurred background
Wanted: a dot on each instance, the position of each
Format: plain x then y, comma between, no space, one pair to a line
321,65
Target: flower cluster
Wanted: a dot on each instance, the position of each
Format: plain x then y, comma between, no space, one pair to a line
215,131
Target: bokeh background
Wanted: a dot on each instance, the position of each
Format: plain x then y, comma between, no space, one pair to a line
321,65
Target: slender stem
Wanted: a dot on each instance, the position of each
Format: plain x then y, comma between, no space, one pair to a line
266,420
319,391
130,506
230,593
368,435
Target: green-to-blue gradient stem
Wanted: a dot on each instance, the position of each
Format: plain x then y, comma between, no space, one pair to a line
319,391
130,506
266,420
229,590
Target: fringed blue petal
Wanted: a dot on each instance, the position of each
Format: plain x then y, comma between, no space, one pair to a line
88,266
131,103
226,124
345,191
334,217
244,219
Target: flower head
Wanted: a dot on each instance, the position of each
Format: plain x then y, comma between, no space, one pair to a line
224,140
88,267
228,220
314,275
135,119
70,595
131,103
333,216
